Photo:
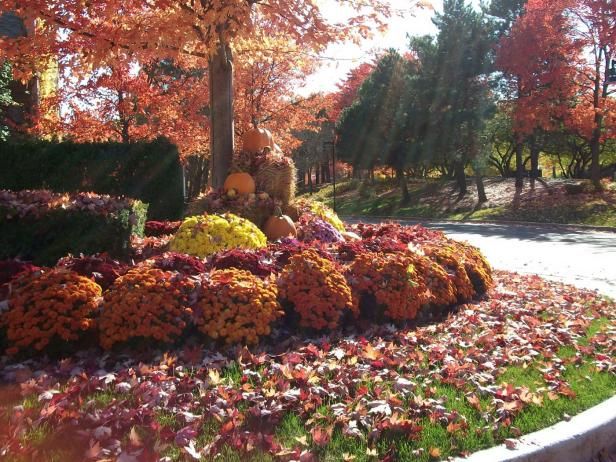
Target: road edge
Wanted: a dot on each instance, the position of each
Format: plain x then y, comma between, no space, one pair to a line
577,440
535,224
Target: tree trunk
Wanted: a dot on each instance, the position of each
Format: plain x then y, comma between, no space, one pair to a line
310,179
317,175
403,186
534,162
519,165
221,114
481,190
460,176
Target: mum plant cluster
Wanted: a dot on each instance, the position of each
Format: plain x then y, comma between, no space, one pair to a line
218,278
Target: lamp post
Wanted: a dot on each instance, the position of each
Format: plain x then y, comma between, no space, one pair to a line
333,146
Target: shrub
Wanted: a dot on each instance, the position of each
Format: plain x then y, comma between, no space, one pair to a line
442,291
449,258
182,263
161,228
475,264
50,306
311,228
145,303
236,306
205,235
317,290
257,262
44,226
320,210
100,268
392,280
9,269
148,171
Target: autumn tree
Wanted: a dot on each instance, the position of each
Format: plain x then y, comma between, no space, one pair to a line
265,89
561,52
130,103
204,33
348,88
543,63
593,112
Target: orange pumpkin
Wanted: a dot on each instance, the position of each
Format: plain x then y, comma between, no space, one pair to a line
278,226
242,183
256,139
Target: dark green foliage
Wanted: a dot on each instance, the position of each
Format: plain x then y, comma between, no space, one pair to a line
376,128
148,171
5,96
58,232
504,13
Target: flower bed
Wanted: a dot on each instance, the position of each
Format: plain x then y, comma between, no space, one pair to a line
320,282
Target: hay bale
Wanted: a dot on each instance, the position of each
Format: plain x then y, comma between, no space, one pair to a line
276,175
253,207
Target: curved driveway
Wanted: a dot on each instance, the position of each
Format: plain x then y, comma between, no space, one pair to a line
583,258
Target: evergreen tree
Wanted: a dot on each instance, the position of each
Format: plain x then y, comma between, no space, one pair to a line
454,87
5,97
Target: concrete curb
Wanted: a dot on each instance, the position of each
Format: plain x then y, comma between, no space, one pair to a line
578,440
535,224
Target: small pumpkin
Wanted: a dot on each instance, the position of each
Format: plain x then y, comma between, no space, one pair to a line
278,226
256,139
242,183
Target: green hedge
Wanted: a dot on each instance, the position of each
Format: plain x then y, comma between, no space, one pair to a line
45,238
148,171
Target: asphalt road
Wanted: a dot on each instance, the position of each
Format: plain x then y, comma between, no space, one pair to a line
583,258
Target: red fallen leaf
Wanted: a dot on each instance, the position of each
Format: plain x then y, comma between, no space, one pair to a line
183,436
361,391
513,406
371,353
307,456
564,389
93,451
435,453
293,359
192,354
474,401
134,438
454,427
510,444
321,436
227,427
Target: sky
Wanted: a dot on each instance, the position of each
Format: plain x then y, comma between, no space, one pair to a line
339,59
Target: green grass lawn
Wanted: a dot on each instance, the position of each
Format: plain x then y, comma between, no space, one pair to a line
547,203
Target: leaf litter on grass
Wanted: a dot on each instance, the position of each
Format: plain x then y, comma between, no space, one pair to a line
517,360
